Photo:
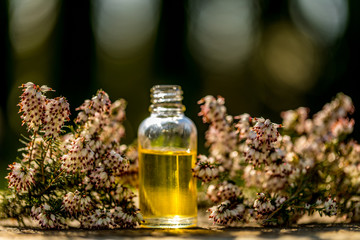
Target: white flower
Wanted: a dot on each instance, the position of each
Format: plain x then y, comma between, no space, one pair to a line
47,218
221,137
212,109
32,105
330,207
280,200
263,206
79,158
75,203
223,191
342,126
227,212
57,111
100,178
20,177
115,217
127,218
205,169
261,143
243,126
116,163
98,104
296,120
99,219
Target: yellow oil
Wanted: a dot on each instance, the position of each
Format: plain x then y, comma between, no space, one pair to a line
167,188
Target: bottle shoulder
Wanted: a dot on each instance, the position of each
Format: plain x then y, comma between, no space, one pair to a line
159,120
173,125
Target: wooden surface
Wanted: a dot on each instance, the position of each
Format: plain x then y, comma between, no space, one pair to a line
322,231
328,229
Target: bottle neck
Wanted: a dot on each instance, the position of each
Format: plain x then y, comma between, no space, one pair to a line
166,100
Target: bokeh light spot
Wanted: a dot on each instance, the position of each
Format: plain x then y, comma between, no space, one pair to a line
324,21
122,26
290,58
31,22
221,33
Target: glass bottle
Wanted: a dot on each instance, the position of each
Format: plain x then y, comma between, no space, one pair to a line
167,142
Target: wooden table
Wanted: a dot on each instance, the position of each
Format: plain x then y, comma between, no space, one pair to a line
318,231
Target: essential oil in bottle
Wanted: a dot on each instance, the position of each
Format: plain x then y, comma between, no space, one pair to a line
167,153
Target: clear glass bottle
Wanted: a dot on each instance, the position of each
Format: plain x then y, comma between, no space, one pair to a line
167,152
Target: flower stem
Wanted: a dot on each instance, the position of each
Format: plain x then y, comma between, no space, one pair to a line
300,188
43,158
56,178
32,148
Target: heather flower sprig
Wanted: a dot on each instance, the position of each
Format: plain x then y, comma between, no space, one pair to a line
223,191
221,136
328,207
57,111
293,173
206,169
261,143
78,176
20,178
32,105
227,213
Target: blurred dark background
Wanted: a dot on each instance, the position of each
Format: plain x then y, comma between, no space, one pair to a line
263,56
